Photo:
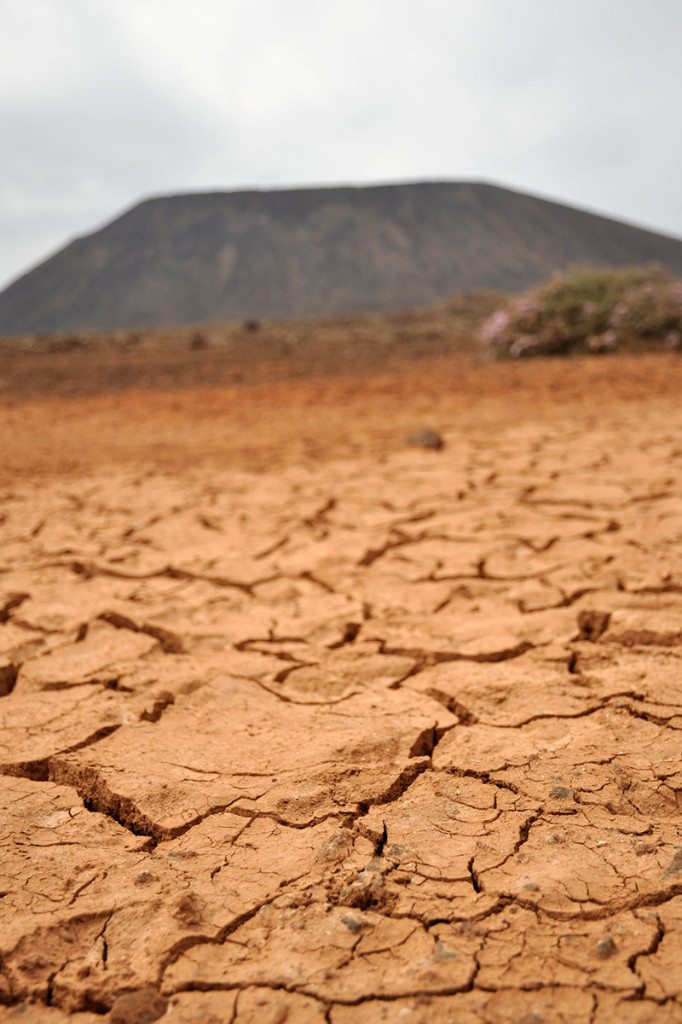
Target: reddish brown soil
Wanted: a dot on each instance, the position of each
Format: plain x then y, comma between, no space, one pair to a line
301,724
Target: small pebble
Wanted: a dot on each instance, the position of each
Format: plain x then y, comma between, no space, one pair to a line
606,947
560,792
353,924
426,438
642,848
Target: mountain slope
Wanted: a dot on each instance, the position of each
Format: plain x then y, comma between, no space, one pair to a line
291,253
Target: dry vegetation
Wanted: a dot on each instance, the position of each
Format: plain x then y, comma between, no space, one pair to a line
245,353
590,311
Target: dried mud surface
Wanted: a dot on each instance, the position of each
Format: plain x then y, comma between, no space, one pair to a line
366,734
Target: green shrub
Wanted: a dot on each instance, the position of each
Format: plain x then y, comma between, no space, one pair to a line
589,310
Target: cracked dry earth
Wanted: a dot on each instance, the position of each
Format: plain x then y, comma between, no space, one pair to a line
392,737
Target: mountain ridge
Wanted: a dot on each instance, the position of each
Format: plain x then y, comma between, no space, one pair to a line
204,257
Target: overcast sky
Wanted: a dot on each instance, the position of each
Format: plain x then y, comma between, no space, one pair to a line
105,102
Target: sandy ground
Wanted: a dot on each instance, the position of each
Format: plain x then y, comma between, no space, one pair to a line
301,724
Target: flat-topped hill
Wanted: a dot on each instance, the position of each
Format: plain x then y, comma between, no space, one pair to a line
223,256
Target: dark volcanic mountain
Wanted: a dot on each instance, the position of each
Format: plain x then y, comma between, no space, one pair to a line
232,255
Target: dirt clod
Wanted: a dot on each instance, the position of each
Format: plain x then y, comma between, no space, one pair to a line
426,438
141,1007
592,624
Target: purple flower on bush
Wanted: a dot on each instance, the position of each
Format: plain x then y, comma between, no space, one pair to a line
495,325
589,310
521,345
605,342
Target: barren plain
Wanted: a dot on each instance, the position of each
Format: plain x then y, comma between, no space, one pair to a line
299,723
